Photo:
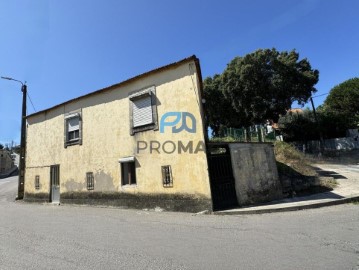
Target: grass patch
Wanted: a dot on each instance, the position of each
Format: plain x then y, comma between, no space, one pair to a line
223,139
289,156
297,175
355,201
328,182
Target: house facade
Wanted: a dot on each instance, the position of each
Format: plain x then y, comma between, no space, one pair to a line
136,144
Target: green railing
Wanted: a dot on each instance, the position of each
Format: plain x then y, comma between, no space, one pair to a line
252,134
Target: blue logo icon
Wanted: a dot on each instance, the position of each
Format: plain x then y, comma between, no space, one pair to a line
176,119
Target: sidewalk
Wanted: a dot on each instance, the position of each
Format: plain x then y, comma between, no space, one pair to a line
347,177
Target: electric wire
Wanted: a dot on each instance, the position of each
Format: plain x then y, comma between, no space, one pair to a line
31,101
321,95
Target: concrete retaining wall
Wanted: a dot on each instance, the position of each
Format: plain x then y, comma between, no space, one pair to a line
255,172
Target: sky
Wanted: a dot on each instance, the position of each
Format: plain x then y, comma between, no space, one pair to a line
65,49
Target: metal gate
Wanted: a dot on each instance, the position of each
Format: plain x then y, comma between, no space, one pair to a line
221,177
55,183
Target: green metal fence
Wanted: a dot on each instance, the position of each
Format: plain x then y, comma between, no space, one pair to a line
256,133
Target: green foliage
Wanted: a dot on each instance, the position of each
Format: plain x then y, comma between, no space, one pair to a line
219,111
343,102
1,146
303,127
285,152
299,126
335,124
259,86
223,139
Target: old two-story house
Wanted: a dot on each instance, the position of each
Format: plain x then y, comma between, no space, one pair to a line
138,144
141,144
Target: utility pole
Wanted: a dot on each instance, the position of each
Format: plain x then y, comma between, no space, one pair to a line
22,164
321,140
21,184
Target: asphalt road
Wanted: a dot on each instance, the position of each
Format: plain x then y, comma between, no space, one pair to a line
42,236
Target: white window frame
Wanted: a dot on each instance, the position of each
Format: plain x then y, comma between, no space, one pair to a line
68,117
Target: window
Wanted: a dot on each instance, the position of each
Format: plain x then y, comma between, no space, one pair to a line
167,179
128,171
143,110
73,125
37,182
90,181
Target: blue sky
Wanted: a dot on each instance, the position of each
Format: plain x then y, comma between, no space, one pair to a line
64,49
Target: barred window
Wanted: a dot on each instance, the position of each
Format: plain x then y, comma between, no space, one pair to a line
90,181
167,179
37,182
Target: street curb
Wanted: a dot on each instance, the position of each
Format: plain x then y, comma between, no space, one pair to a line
289,208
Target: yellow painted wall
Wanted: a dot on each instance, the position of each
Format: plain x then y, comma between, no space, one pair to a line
106,139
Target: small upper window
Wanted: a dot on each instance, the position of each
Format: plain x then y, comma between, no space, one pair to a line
73,129
143,110
37,182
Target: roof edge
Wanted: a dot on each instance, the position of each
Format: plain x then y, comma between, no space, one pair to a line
143,75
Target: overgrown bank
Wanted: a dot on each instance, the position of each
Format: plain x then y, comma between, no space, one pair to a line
296,174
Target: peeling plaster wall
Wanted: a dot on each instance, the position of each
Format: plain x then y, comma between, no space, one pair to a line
106,138
255,173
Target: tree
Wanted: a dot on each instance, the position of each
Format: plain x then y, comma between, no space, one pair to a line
303,126
219,111
299,126
343,101
1,146
259,86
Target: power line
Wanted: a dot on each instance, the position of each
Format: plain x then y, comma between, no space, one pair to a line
31,101
321,95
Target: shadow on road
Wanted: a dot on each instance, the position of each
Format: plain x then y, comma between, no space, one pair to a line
326,173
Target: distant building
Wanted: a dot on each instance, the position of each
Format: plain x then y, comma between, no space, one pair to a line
6,161
295,110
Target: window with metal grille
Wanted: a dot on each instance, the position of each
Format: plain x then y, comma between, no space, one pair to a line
37,182
143,110
167,179
90,181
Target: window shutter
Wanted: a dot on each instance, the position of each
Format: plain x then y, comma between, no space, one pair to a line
142,111
73,124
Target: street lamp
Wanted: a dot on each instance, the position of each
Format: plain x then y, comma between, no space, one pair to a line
21,185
